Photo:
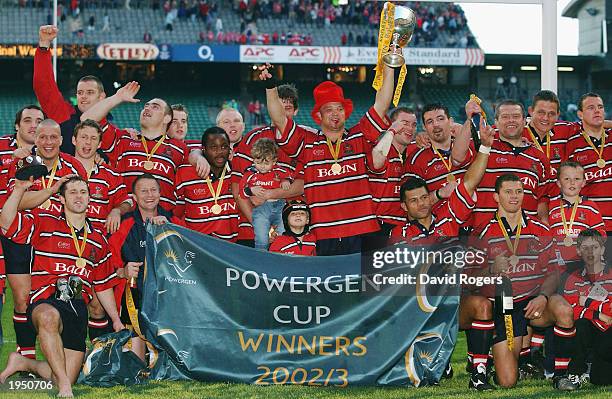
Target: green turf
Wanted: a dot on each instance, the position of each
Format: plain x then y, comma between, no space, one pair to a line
455,388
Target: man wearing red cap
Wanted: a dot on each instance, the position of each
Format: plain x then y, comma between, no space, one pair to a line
335,161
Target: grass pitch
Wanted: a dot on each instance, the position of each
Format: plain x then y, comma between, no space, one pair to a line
455,388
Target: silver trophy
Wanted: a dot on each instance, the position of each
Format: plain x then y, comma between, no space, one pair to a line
404,22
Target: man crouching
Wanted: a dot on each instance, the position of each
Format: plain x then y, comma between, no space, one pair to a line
71,259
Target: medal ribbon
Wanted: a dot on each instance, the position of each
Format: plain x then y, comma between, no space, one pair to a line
385,32
49,182
385,35
144,144
335,152
400,84
511,246
590,142
474,97
133,315
537,142
216,193
79,248
90,171
568,226
448,165
509,326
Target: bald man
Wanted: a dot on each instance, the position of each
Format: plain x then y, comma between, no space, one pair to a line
41,197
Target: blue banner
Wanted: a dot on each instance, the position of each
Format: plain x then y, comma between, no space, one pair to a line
204,53
218,311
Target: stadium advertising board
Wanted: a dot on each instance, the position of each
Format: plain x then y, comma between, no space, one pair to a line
216,311
358,55
77,51
204,53
128,51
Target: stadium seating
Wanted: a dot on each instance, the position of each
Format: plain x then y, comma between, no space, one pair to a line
454,98
131,25
10,102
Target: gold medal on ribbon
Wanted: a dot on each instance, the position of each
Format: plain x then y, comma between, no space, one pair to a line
601,163
475,98
512,246
335,153
148,164
216,208
447,164
80,248
536,142
48,183
513,260
567,226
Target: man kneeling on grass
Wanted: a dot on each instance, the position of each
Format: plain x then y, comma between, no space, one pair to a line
71,259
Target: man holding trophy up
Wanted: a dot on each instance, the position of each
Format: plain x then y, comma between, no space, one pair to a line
336,160
396,28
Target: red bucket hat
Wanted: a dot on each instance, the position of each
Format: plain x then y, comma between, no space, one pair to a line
329,92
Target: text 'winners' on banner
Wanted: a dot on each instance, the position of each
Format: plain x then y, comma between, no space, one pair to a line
217,311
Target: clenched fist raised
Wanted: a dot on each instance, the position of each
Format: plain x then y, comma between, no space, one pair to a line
46,34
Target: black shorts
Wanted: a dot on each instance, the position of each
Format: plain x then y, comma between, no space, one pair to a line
125,315
246,243
519,322
74,321
17,257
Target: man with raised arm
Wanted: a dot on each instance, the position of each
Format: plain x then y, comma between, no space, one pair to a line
89,90
335,161
152,151
242,160
510,154
429,225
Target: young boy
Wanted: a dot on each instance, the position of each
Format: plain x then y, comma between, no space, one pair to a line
265,175
297,239
589,291
570,213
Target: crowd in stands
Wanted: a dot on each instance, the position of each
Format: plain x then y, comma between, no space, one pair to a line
438,24
432,18
289,38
